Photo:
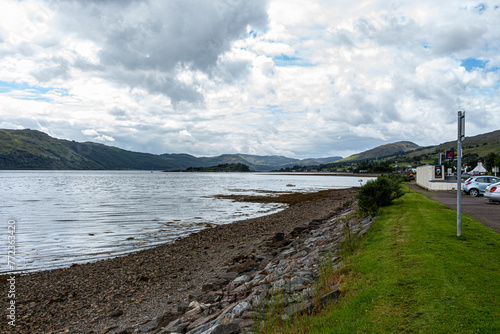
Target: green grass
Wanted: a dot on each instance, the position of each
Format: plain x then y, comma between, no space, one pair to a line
413,275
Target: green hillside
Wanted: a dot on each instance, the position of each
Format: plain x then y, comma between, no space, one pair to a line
380,159
383,151
31,149
27,149
477,147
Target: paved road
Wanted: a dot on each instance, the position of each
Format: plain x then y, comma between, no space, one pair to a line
476,207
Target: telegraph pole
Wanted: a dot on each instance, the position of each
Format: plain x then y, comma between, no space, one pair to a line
460,137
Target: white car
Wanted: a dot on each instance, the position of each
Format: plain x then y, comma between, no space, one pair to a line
492,192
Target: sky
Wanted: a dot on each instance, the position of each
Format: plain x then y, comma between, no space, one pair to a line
280,77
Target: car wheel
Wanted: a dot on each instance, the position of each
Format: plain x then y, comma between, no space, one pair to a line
474,192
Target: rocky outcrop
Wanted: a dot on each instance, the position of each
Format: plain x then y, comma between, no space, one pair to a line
284,270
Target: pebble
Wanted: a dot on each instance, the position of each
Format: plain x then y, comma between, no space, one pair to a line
288,278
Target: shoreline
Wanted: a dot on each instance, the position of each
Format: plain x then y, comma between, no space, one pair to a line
323,174
136,288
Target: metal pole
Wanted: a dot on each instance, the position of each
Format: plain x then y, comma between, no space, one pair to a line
461,133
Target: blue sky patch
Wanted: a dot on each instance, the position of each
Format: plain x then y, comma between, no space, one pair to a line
284,60
471,64
481,7
24,91
252,33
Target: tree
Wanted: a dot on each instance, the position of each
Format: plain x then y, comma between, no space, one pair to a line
490,161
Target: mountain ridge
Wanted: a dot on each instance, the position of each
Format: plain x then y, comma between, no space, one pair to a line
383,151
33,149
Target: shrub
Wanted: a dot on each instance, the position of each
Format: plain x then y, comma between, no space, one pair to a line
378,193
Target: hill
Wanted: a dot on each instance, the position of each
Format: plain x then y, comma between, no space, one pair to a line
383,151
385,158
31,149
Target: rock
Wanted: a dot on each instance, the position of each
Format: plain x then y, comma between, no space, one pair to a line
240,280
298,230
173,324
199,330
195,304
116,313
148,327
181,328
298,308
231,328
240,308
329,296
195,295
182,308
211,297
229,276
166,320
278,237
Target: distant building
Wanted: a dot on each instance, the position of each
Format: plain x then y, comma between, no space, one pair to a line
479,170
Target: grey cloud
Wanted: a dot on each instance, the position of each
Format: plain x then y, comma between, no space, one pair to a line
160,35
451,39
23,49
156,82
230,71
57,68
342,37
395,30
119,113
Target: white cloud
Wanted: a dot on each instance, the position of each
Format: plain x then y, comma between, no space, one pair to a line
299,78
90,132
96,136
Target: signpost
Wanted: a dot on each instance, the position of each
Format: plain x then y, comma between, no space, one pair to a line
461,136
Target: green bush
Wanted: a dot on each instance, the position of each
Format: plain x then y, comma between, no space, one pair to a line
378,193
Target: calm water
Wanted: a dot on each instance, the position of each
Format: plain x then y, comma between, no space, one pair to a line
66,217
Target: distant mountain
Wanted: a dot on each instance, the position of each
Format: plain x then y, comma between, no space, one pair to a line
31,149
475,148
383,151
479,146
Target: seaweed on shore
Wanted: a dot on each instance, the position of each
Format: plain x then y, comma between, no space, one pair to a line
288,198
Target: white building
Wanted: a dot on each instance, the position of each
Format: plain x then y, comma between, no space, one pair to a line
432,177
480,169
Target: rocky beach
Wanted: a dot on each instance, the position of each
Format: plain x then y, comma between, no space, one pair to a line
214,281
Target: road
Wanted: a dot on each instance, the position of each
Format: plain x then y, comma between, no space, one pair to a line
477,207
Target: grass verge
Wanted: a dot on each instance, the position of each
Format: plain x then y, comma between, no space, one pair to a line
413,275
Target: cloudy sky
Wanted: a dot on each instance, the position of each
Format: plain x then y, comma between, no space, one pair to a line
279,77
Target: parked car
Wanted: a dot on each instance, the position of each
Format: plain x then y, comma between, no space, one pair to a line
492,192
476,185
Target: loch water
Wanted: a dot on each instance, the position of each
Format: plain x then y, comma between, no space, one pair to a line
58,218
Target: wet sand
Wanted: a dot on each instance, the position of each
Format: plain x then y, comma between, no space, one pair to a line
133,289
